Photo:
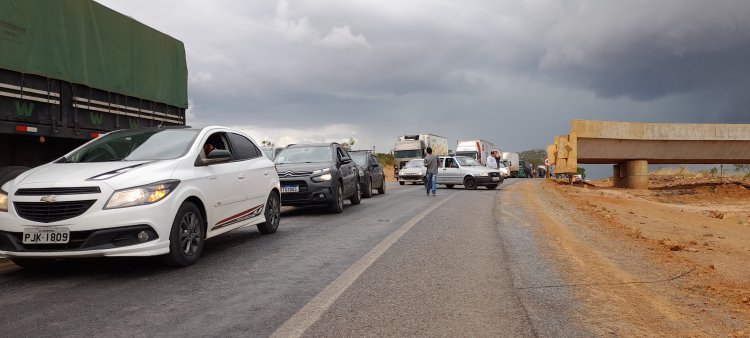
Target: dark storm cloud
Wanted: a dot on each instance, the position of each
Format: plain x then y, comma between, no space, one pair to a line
514,72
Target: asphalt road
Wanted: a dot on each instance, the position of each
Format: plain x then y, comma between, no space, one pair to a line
400,264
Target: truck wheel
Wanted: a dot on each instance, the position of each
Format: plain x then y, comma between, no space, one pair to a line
186,237
10,172
337,205
470,183
273,215
357,197
381,190
492,186
367,193
401,182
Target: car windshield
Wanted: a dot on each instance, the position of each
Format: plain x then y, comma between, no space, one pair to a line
472,154
304,155
407,153
359,158
415,164
467,161
135,145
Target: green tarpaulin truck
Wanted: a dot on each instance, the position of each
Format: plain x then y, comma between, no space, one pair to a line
72,70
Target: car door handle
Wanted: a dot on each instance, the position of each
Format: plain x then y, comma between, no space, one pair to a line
241,176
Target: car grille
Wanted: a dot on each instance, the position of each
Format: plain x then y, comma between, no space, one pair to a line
494,173
57,191
51,212
291,173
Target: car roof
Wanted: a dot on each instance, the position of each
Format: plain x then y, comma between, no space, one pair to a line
311,145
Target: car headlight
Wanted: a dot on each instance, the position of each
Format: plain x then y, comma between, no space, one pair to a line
484,174
147,194
3,201
321,178
320,171
421,173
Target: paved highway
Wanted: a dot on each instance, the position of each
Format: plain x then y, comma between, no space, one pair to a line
401,264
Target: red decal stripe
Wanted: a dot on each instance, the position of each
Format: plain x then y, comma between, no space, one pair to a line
238,215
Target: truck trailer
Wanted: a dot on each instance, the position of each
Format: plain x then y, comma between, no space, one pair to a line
476,149
511,161
73,70
409,147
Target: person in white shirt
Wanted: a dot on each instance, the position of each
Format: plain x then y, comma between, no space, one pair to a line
491,161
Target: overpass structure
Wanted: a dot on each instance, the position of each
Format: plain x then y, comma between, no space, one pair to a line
631,146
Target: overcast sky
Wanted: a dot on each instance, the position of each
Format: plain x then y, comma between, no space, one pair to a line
512,72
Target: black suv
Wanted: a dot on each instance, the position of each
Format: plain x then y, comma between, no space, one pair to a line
317,174
370,172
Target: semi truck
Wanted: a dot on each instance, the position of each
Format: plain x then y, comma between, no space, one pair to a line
409,147
511,161
476,149
73,70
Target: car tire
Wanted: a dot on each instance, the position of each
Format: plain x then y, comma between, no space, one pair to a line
470,183
337,205
367,193
449,186
492,186
357,196
273,215
401,182
186,237
381,190
32,263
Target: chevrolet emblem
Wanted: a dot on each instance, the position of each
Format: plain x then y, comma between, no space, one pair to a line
49,199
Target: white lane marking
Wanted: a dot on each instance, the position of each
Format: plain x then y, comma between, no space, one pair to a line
311,312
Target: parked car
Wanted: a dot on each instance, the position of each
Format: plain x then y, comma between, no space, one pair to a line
466,171
413,172
139,192
318,174
504,171
370,172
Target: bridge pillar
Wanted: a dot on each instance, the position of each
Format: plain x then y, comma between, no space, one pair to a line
618,175
636,174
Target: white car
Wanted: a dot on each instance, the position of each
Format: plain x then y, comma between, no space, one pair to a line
466,171
413,172
139,192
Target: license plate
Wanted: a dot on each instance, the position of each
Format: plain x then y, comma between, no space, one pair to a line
496,178
290,188
46,235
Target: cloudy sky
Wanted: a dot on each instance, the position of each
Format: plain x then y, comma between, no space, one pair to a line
513,72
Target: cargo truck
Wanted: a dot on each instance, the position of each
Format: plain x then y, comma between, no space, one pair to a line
409,147
476,149
73,70
511,161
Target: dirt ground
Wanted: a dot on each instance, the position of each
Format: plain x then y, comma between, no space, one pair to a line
670,261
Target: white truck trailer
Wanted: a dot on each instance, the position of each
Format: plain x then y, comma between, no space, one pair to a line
476,149
409,147
511,161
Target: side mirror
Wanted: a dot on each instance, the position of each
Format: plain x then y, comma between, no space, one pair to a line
346,160
375,165
218,156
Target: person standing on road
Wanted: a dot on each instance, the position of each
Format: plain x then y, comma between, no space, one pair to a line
431,162
491,161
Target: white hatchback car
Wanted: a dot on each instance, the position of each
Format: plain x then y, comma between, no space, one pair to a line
140,192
